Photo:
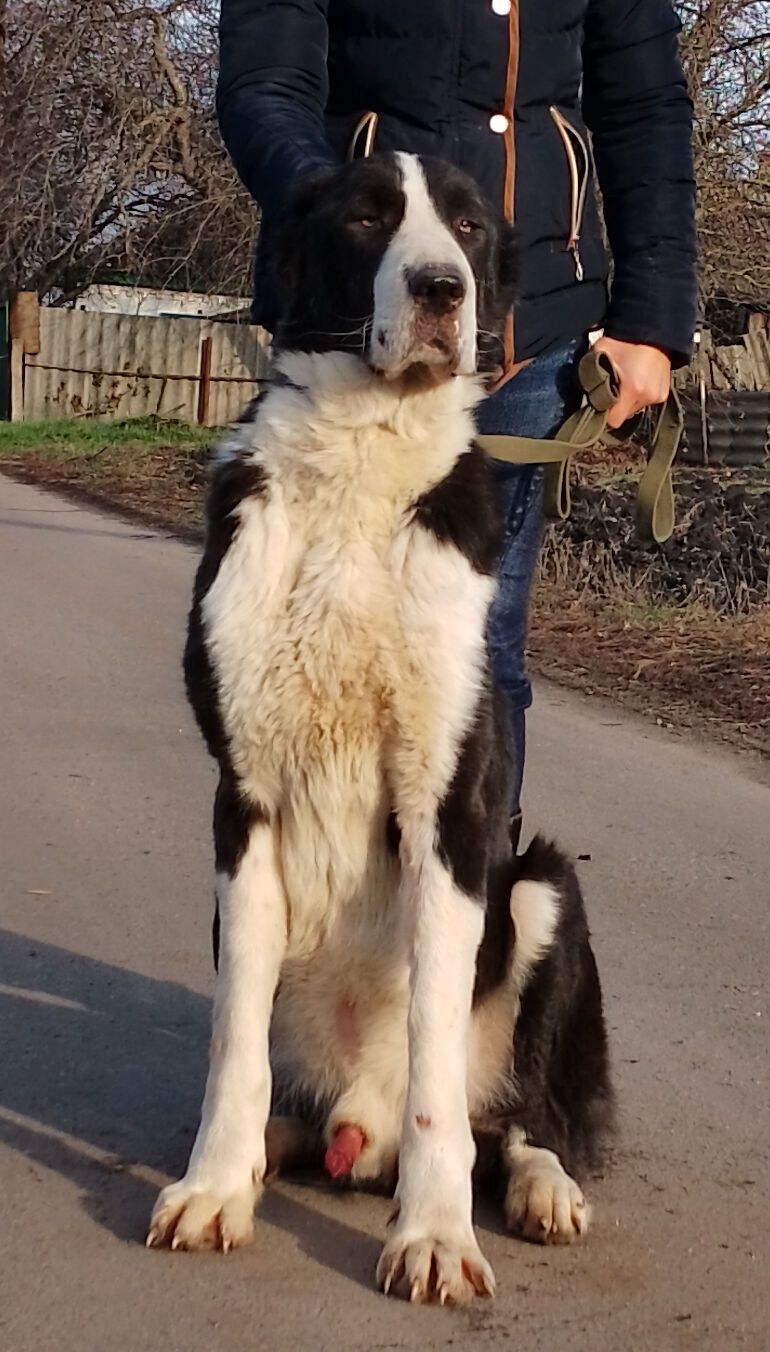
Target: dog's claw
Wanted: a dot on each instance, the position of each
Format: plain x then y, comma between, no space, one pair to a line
435,1271
186,1219
545,1205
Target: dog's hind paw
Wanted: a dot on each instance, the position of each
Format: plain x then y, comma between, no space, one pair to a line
543,1204
188,1218
433,1271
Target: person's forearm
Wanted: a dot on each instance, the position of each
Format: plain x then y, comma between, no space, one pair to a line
636,104
272,142
272,93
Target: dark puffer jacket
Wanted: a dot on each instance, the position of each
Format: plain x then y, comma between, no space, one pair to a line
444,77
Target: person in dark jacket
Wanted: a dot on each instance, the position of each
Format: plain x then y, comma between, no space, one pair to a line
530,98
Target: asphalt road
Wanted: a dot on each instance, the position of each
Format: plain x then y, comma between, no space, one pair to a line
105,980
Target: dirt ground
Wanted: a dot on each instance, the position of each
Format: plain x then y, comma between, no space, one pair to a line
680,632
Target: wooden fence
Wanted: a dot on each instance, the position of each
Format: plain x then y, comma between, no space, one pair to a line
744,365
76,363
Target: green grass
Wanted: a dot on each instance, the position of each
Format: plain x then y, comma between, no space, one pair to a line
70,436
149,468
656,612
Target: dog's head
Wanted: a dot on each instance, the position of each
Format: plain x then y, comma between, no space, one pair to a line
402,261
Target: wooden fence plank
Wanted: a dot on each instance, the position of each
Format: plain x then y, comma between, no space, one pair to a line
116,366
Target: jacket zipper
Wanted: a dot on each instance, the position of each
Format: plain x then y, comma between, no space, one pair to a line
580,174
509,176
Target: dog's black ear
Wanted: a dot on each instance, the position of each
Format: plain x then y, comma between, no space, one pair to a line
507,264
288,238
497,297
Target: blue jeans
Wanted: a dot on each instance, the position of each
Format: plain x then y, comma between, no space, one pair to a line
533,404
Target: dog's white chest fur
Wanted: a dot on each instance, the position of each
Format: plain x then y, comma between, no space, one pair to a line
308,646
311,623
348,646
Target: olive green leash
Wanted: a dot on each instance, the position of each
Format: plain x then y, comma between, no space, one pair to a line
655,496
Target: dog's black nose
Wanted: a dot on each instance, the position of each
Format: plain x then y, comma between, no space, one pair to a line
437,288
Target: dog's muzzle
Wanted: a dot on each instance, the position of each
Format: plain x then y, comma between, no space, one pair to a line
425,319
438,294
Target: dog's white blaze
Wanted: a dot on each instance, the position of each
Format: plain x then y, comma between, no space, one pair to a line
422,240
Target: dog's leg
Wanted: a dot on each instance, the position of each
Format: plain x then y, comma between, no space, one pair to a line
563,1101
432,1254
542,1202
212,1206
436,771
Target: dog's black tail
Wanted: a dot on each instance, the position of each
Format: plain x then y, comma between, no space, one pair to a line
561,1056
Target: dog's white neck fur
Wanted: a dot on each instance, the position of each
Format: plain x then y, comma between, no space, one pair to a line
331,414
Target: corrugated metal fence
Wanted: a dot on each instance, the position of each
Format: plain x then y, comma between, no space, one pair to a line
726,427
74,363
726,396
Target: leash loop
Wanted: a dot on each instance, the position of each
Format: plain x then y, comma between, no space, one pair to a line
655,508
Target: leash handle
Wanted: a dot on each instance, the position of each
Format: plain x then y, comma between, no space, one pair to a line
655,508
599,380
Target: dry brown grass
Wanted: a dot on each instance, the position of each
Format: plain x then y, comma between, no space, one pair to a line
684,666
681,632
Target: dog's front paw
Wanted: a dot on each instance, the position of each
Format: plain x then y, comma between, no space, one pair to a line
189,1217
434,1269
543,1204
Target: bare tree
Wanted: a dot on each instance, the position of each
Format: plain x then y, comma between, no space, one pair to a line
726,48
111,159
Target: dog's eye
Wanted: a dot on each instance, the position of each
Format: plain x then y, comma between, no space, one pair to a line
366,222
467,226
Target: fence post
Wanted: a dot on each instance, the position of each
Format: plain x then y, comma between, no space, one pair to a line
24,333
5,364
204,381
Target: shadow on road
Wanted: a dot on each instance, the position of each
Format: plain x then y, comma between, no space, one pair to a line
101,1075
101,1080
332,1243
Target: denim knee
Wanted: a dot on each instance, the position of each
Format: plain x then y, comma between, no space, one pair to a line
521,494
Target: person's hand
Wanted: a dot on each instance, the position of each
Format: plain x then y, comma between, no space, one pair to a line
643,373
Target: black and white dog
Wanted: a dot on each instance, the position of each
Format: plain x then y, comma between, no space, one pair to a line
390,978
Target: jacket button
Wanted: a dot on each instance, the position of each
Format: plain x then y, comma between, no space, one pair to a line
498,122
501,6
